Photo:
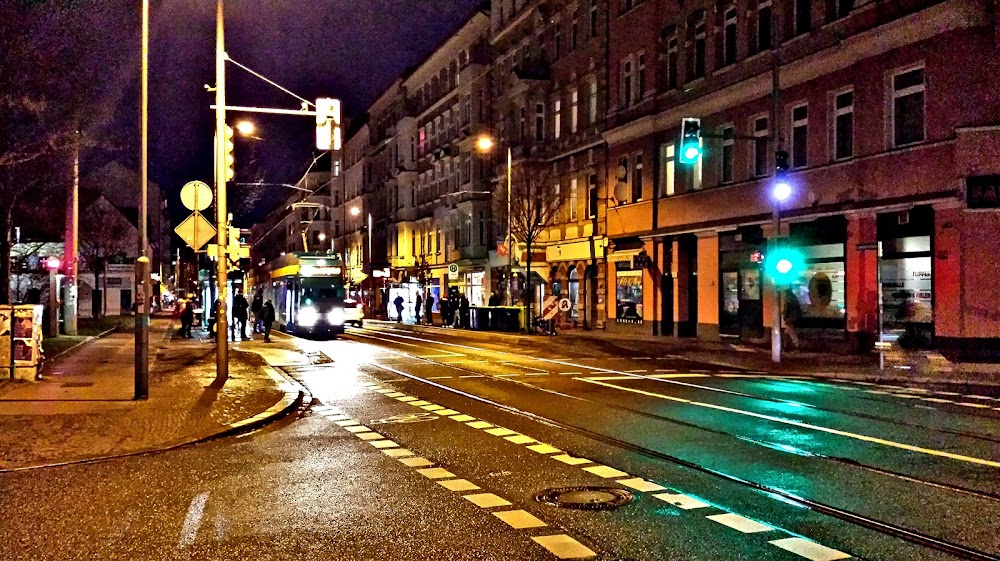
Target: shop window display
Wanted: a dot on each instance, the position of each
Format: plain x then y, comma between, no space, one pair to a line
820,289
629,297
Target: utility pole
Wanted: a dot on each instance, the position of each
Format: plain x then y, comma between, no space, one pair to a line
141,289
510,235
71,252
222,215
775,147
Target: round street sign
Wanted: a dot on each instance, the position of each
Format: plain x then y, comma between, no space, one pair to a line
453,268
564,305
196,196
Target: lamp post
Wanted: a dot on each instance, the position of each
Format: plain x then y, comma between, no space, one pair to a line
142,283
781,192
485,144
222,215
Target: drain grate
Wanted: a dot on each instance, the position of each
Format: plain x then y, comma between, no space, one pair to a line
586,498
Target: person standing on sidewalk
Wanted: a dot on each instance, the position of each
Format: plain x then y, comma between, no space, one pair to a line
240,308
463,312
429,309
256,307
399,308
267,318
790,316
187,319
418,308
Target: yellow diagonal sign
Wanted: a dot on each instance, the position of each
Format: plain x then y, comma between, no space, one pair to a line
196,231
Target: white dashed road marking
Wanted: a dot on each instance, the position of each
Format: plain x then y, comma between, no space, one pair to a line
487,500
189,531
810,550
737,522
519,519
564,547
681,501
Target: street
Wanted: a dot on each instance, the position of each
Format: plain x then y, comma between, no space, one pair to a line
435,446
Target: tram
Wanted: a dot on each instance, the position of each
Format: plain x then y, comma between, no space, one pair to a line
307,291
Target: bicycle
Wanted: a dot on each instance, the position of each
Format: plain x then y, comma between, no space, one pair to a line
542,326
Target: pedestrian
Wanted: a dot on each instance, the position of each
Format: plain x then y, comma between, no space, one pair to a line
256,307
187,319
240,310
790,317
399,308
429,308
494,299
418,308
267,318
463,311
444,305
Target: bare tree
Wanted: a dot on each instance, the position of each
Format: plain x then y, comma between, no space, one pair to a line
535,204
104,236
58,81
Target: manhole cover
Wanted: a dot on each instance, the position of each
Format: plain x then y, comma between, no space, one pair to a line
586,498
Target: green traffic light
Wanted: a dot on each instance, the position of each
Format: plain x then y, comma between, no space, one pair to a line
690,153
784,265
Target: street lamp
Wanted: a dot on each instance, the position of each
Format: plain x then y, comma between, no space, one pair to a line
485,144
355,211
780,267
246,128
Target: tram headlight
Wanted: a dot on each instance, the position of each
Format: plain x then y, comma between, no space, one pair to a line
335,316
308,316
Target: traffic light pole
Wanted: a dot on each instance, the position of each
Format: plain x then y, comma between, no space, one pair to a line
222,216
141,287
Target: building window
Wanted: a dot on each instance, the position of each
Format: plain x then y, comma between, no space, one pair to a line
800,136
623,175
336,227
667,169
574,32
672,61
593,101
728,154
764,25
803,16
593,18
482,228
557,118
574,107
729,38
640,76
626,83
637,179
843,125
698,50
573,201
842,8
539,122
759,163
908,107
557,38
592,198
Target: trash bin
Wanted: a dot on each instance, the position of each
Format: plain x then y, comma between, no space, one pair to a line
481,318
509,319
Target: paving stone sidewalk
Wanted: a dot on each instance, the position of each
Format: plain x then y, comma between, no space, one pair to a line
83,408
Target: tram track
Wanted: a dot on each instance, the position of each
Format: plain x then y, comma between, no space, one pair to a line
858,519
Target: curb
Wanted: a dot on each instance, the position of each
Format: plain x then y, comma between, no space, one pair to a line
295,394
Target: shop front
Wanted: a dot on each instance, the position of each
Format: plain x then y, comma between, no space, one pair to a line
906,276
819,294
741,308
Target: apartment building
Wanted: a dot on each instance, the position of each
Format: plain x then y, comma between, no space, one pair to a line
888,111
550,101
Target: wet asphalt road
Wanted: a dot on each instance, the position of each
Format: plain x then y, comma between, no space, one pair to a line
422,446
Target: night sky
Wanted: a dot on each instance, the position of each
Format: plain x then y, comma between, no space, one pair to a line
349,49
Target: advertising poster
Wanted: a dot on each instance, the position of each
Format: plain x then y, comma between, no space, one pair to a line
27,333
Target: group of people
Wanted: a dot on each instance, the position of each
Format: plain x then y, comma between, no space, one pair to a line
262,310
455,308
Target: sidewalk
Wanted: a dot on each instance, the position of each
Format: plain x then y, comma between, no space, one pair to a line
82,409
899,365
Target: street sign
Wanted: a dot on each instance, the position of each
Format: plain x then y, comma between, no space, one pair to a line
196,231
550,307
196,196
453,271
564,305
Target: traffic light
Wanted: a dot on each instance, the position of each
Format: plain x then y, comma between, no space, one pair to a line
784,265
690,150
230,159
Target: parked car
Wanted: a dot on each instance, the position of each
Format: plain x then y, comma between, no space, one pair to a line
354,313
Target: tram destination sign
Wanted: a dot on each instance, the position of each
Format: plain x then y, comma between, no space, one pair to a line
982,192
